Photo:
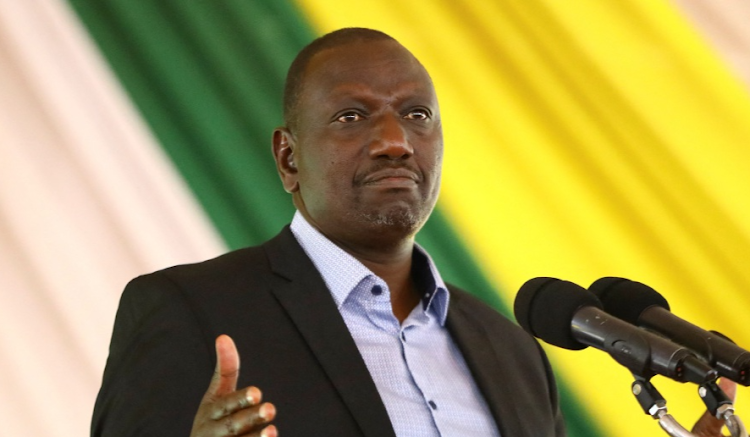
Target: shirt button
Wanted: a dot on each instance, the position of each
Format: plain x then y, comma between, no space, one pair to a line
377,290
433,405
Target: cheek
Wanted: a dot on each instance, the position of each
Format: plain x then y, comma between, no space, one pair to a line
327,177
432,167
432,160
339,173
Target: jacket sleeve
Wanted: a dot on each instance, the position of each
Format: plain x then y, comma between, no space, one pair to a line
160,363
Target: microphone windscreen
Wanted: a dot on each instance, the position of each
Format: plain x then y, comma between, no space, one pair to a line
626,299
545,307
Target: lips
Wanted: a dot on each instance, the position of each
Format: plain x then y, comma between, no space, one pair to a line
391,176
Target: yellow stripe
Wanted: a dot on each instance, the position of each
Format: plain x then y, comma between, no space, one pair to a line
584,139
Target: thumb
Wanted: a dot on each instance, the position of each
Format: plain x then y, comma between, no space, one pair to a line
227,369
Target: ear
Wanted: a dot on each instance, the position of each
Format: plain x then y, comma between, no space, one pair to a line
283,152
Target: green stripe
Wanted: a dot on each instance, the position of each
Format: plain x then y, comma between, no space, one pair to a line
208,79
207,76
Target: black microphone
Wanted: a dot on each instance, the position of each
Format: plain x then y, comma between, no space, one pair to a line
641,305
567,315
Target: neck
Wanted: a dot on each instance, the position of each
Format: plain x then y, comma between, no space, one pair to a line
387,252
392,263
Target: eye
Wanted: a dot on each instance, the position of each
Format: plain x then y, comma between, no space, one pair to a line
418,114
349,117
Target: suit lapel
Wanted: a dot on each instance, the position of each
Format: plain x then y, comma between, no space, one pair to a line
303,294
493,376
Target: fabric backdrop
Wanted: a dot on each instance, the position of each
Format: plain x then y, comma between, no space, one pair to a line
584,139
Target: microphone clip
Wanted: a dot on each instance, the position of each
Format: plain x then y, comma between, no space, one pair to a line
654,404
717,403
721,407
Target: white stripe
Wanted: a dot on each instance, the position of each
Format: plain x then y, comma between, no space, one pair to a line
87,201
724,24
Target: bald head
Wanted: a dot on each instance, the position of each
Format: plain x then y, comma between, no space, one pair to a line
295,78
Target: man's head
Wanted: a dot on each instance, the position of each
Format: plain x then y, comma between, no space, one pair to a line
362,149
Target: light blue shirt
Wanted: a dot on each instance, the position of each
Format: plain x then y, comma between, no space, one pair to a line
419,372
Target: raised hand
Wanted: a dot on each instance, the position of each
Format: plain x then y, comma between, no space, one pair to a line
226,411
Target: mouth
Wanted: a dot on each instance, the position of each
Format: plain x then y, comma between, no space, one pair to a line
392,178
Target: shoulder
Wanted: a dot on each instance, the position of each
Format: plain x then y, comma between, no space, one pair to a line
468,309
245,262
517,355
470,305
208,289
246,267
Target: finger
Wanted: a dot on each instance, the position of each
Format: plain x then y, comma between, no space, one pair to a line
234,402
227,369
708,426
269,431
729,387
249,420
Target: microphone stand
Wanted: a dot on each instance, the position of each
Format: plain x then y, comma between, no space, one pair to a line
717,402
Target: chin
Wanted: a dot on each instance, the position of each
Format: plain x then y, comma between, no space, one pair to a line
401,220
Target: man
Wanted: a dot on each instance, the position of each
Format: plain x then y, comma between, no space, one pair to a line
342,322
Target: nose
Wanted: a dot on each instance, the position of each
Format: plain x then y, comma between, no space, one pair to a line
390,140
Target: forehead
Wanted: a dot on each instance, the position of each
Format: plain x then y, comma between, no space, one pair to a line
383,67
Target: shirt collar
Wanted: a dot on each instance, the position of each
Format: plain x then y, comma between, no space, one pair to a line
342,273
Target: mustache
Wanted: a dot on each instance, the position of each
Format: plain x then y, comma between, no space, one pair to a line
384,169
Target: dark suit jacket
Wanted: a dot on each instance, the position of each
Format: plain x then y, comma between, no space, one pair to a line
295,347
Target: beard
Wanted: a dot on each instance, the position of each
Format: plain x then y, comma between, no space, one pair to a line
395,211
399,218
396,218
